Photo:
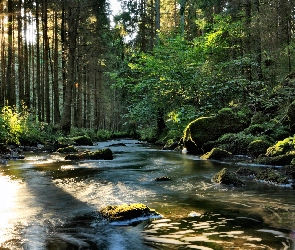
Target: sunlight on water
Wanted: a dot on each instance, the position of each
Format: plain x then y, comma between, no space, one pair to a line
8,196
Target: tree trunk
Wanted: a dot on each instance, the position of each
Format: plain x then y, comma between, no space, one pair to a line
11,95
39,90
46,60
157,20
56,112
73,19
21,88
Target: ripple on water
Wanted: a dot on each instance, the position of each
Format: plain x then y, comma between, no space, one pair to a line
210,231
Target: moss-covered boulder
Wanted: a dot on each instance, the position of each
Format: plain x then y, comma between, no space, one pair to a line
128,212
102,154
67,150
272,176
206,129
216,154
244,171
228,178
73,157
281,147
280,160
82,140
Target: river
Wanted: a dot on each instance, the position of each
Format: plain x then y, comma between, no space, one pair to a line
49,203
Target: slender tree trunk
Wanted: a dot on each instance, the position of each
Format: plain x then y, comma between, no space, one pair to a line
73,19
27,65
3,59
11,95
257,41
21,88
55,74
157,20
39,90
46,61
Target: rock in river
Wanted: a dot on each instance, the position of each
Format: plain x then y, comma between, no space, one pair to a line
228,178
128,213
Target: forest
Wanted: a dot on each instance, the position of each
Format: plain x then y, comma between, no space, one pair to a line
67,67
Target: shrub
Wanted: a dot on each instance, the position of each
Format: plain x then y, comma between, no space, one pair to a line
103,135
258,147
281,147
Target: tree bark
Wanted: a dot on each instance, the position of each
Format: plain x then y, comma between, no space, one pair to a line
72,22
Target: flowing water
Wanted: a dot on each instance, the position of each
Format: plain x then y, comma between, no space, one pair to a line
49,203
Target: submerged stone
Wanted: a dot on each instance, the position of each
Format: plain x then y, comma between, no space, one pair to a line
128,212
163,178
228,178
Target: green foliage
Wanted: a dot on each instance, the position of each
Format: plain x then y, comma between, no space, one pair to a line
258,147
282,147
19,127
236,143
103,135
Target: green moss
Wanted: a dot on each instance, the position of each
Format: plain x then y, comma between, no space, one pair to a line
227,177
236,143
102,154
67,150
273,176
280,160
216,154
207,129
246,171
127,212
82,140
281,147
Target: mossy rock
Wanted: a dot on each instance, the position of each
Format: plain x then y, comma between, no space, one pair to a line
67,150
272,176
82,140
228,178
127,212
72,157
280,160
281,147
102,154
206,129
289,170
258,147
243,171
216,154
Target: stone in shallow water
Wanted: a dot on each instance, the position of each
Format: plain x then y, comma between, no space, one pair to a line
128,212
228,178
